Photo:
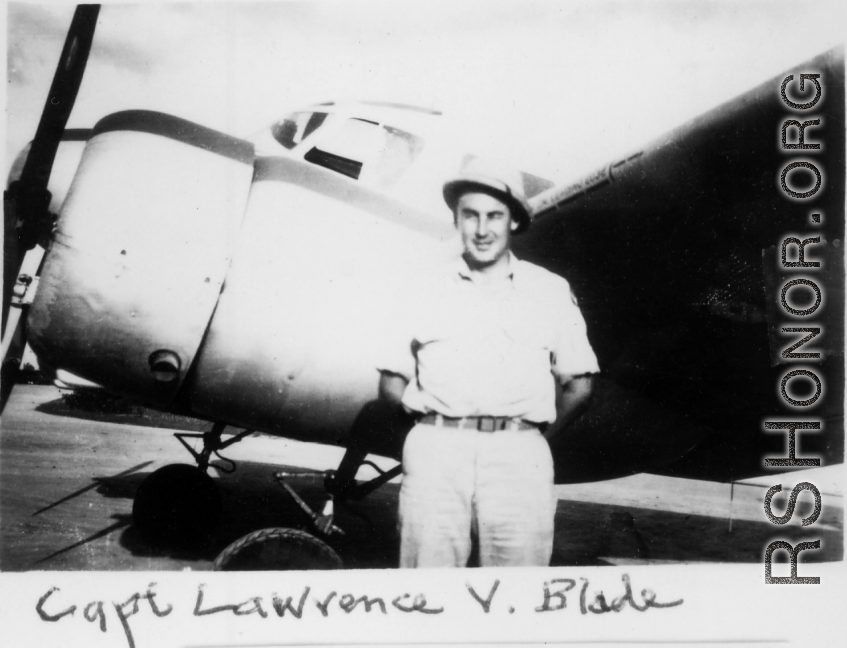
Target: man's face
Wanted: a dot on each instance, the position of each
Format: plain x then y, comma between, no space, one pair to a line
486,225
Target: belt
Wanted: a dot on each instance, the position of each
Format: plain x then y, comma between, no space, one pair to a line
481,423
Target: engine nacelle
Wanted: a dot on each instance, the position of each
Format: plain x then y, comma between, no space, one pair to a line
140,253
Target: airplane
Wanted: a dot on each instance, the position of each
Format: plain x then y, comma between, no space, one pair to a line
250,282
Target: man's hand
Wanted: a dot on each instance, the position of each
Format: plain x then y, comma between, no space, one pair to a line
571,399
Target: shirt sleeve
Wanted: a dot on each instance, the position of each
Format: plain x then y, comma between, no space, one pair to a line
572,354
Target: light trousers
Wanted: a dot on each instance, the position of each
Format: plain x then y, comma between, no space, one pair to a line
498,483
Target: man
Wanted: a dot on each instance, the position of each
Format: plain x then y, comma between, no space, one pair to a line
485,339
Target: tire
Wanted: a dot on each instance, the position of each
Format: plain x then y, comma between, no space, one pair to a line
277,549
177,506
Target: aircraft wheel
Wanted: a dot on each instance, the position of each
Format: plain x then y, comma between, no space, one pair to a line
277,550
177,506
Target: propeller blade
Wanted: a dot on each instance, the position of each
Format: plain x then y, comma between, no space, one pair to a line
60,100
27,220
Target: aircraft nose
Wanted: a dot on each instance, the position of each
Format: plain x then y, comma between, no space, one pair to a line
106,308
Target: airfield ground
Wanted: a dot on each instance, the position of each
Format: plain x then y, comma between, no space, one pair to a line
67,484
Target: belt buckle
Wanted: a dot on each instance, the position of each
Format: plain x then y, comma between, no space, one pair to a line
486,424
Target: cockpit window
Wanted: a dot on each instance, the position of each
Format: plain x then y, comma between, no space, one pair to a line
296,127
374,154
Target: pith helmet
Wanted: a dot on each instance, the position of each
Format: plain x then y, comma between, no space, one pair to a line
504,183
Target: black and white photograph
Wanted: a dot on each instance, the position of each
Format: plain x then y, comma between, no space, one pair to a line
485,322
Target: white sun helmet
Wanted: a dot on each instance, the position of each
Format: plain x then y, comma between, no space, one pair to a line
502,182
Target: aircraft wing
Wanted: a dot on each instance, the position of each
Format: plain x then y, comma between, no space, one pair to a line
673,253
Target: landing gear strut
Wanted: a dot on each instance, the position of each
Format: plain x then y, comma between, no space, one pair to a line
180,506
340,486
288,549
212,444
378,428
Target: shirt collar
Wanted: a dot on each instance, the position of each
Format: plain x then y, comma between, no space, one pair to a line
461,267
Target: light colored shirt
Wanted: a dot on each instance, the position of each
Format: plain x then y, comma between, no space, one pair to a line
489,348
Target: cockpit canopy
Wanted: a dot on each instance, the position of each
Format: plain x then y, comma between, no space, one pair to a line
374,143
401,150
